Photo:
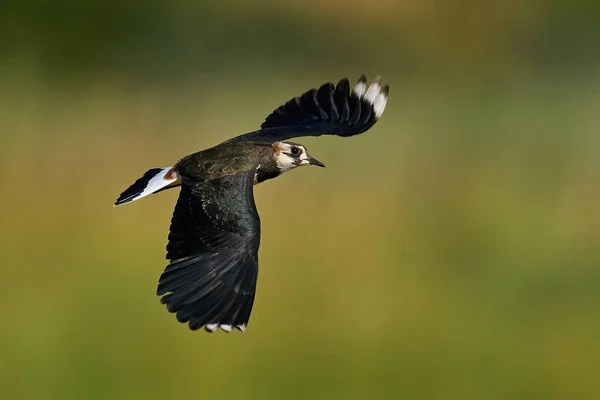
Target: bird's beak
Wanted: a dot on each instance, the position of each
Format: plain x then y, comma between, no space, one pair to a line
314,161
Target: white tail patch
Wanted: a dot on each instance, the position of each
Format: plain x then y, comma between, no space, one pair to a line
153,181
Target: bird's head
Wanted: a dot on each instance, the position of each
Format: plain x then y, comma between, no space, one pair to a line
289,155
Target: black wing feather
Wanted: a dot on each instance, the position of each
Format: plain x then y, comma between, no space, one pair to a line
213,248
329,110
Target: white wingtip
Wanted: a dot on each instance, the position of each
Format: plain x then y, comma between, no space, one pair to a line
360,88
373,91
379,104
375,94
225,327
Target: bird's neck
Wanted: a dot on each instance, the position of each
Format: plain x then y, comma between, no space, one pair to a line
266,171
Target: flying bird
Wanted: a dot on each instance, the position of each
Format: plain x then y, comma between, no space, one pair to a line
214,236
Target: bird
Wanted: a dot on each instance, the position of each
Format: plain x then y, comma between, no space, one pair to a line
214,236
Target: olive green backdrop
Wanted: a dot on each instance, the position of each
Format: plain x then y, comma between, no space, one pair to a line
452,252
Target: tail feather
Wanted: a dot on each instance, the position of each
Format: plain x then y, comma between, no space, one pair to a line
154,180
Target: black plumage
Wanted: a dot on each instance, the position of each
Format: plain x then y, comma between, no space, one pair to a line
329,110
138,186
214,236
213,248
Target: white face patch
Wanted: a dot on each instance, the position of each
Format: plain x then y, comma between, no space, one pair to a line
304,160
289,156
285,162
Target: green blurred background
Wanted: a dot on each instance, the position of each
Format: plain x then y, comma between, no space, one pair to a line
455,247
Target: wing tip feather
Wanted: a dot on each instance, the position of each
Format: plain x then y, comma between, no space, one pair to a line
227,328
323,108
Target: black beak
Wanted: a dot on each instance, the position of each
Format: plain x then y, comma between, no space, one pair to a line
314,161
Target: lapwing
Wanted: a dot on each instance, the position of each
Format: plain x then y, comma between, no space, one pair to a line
214,236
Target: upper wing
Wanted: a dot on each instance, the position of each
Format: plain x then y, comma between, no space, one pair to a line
329,110
213,248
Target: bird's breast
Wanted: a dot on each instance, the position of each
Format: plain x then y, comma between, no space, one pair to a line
264,172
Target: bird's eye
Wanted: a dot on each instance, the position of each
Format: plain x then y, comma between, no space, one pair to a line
295,151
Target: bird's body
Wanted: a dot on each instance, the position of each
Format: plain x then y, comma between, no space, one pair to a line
231,158
214,236
224,160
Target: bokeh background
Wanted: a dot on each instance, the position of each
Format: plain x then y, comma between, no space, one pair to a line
454,250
